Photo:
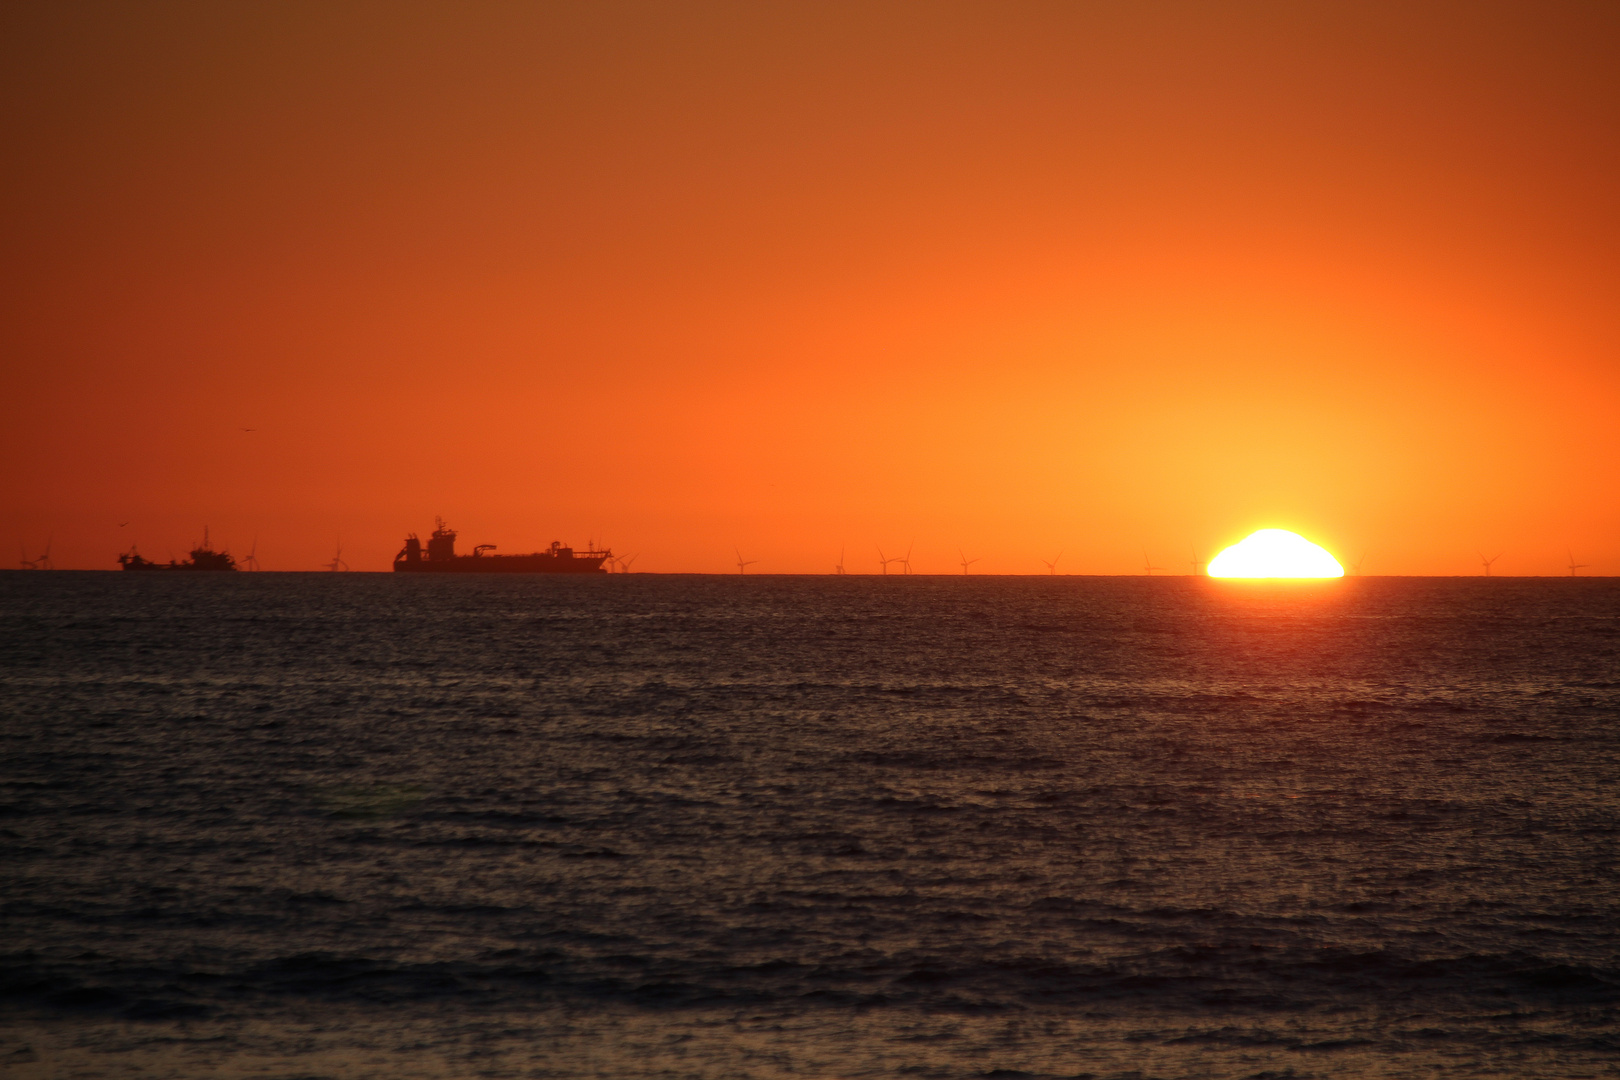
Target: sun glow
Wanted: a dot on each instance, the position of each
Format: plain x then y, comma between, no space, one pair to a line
1275,553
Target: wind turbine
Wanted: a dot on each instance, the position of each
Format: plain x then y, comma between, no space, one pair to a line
251,561
1355,567
25,562
1051,567
743,564
906,560
839,569
1197,563
1147,562
966,562
337,562
1573,565
884,562
1487,562
44,561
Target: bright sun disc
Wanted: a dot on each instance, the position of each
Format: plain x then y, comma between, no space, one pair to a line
1275,553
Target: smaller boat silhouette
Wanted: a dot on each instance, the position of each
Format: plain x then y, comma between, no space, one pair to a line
203,558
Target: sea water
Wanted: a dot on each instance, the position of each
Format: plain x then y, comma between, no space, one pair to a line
357,825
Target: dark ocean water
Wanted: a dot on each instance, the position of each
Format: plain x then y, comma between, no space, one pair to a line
363,825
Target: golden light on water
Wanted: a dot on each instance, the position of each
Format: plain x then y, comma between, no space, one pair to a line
1275,553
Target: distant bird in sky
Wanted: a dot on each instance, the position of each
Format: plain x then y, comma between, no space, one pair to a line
250,429
121,524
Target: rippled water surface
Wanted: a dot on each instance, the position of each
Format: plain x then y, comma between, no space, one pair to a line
638,826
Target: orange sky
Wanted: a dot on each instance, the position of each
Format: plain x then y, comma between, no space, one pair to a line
1105,279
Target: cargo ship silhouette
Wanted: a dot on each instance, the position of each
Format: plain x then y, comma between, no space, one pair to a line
441,558
203,558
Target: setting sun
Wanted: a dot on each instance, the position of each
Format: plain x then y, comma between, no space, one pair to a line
1275,553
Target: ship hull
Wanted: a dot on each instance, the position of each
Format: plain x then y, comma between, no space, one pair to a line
539,563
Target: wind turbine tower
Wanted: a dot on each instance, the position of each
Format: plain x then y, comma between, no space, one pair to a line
1573,565
1487,562
966,562
1148,563
742,563
1051,567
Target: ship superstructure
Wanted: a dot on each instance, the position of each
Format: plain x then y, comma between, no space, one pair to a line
440,557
